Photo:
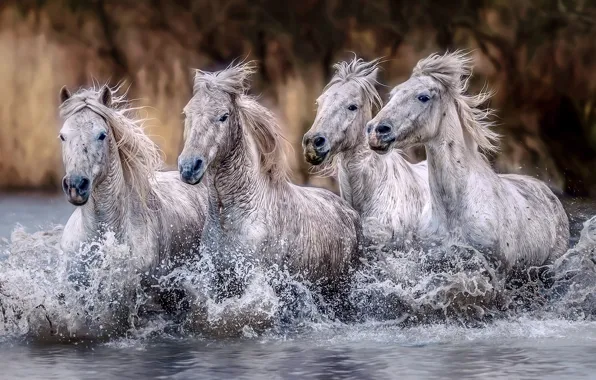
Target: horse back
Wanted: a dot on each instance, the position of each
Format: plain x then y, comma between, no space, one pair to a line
540,214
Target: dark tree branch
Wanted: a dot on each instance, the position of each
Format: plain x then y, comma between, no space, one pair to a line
108,29
483,39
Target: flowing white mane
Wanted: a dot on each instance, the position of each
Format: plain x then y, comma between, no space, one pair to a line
359,72
256,119
452,71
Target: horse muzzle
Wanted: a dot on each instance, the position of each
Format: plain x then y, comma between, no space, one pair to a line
381,137
316,149
191,169
315,158
77,189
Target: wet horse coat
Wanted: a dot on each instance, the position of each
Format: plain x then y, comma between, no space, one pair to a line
112,176
515,217
390,194
234,145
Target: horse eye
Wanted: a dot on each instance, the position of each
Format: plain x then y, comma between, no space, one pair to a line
61,137
423,98
102,136
352,107
224,118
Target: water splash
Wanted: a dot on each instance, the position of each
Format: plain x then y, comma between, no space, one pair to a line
575,279
97,293
422,286
47,294
244,300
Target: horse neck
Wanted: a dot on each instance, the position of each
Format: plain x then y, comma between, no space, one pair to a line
454,164
351,172
108,203
360,171
350,168
237,184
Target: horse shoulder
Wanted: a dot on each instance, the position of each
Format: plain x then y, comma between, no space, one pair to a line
476,214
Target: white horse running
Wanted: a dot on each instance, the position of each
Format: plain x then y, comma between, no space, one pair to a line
236,144
516,217
111,175
389,193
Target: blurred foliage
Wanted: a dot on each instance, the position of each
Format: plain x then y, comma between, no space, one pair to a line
539,55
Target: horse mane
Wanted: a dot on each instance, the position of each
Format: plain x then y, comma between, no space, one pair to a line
453,71
139,155
234,79
263,127
256,120
363,74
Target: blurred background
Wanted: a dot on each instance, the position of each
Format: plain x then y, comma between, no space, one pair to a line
538,55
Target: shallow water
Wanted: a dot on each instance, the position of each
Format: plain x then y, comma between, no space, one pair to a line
513,349
33,211
525,345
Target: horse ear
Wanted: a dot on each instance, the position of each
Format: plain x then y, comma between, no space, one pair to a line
372,77
195,77
64,94
106,96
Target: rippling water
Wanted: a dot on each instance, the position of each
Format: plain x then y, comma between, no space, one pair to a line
551,341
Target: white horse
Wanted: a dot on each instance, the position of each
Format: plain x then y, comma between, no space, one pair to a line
236,145
515,217
389,193
111,176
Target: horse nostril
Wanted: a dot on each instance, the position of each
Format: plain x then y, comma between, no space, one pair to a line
64,184
198,164
383,129
84,184
319,141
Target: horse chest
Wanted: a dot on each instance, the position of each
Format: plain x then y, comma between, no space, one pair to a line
248,227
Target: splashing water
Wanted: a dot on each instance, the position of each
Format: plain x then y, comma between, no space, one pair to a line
48,294
96,293
415,287
263,299
439,314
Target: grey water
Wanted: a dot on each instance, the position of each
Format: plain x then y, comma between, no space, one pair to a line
518,347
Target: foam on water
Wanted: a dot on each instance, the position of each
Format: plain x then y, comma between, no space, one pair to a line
95,293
